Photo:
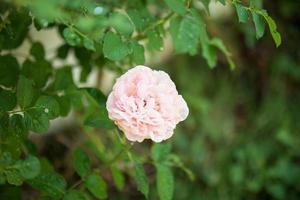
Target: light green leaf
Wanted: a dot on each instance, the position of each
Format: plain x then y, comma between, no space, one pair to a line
185,33
138,53
272,26
97,186
179,163
49,105
81,162
165,182
160,152
222,2
114,48
242,12
25,92
121,23
206,4
118,177
50,183
89,44
177,6
220,45
141,178
155,41
13,177
28,168
71,37
209,53
259,25
140,17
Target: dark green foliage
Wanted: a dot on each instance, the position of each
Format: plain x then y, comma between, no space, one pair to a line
16,28
230,159
9,68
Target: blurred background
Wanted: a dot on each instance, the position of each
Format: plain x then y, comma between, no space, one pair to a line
242,137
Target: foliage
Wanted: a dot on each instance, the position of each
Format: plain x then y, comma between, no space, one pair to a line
113,35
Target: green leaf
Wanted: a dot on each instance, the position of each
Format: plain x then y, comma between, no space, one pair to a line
259,25
97,186
272,26
185,33
98,97
37,50
17,124
9,69
242,12
28,168
36,120
160,152
165,182
25,92
64,79
220,45
114,48
16,30
38,71
8,100
155,40
99,119
50,183
206,4
71,37
13,177
121,23
141,178
177,6
89,44
64,104
209,53
140,17
256,3
222,2
62,51
49,105
138,53
175,159
81,162
118,178
75,195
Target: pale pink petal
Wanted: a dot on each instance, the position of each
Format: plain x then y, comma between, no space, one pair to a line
145,104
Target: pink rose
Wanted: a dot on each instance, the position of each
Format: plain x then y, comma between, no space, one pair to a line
145,104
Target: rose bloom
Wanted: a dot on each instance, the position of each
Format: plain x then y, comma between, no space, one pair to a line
145,104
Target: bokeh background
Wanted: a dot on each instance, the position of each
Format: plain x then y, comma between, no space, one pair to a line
242,137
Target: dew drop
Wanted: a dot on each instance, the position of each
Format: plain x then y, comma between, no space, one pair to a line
98,10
